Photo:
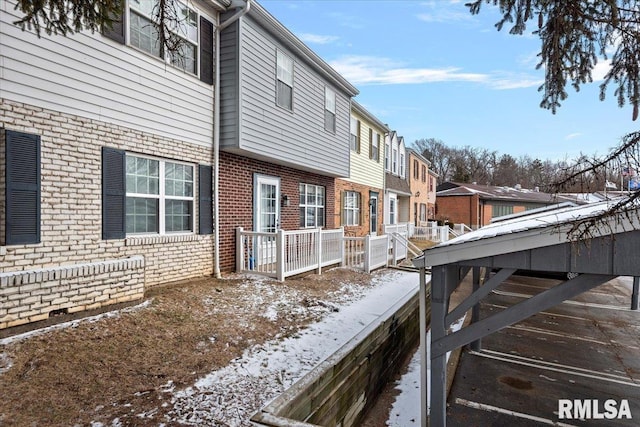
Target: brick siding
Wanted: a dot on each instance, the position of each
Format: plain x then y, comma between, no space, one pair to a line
71,204
365,215
236,199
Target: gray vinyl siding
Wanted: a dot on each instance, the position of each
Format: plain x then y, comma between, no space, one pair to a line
88,75
262,129
229,95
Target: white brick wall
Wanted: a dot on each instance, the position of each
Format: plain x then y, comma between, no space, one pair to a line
71,215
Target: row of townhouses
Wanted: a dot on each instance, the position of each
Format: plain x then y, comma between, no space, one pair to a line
124,167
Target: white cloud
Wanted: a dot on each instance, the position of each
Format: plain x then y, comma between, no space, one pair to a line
441,11
572,136
369,70
317,38
600,70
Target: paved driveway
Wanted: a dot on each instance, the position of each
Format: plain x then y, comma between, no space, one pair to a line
587,348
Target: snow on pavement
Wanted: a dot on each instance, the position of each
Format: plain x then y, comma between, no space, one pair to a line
231,395
405,410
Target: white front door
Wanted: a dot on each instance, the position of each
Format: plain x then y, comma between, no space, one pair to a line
373,213
266,204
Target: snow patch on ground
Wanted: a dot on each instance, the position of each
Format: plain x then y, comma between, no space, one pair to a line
231,395
405,410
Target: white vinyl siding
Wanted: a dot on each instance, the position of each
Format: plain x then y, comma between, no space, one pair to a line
91,76
365,169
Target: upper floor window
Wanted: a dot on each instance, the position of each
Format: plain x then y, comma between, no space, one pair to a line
416,172
394,161
159,196
387,165
144,33
329,110
424,173
374,152
401,165
430,183
354,138
284,81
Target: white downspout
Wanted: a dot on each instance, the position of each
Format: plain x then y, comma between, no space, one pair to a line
216,133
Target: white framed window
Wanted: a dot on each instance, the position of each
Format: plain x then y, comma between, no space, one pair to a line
312,206
394,161
160,196
354,137
329,110
387,164
375,146
351,207
401,165
392,211
284,80
144,35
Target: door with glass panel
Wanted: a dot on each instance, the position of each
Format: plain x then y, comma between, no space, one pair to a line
373,213
267,216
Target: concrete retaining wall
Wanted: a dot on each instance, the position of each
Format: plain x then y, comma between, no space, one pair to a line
340,390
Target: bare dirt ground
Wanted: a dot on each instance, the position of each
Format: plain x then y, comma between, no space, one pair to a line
117,366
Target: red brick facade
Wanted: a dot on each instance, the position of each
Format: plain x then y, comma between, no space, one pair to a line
236,199
460,209
365,215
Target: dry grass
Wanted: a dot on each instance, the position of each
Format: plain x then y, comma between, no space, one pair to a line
120,366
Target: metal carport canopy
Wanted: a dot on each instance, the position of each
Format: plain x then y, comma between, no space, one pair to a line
537,242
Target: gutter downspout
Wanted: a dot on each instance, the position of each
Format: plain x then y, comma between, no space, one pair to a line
216,133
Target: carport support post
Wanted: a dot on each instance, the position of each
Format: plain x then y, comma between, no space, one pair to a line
475,311
634,295
439,303
424,414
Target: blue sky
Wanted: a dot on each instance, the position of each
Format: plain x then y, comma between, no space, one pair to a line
429,69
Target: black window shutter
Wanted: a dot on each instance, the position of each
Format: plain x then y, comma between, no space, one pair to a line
113,194
118,27
22,188
206,51
205,200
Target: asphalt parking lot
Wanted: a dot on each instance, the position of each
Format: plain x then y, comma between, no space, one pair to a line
579,359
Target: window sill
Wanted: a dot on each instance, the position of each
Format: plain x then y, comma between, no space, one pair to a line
163,239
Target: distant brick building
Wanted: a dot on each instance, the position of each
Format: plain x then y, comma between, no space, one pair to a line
475,205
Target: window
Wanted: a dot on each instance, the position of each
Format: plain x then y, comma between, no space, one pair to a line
159,196
144,34
387,166
392,211
284,81
21,199
430,183
416,172
355,135
374,149
329,110
351,208
423,212
394,161
311,206
401,165
424,173
500,210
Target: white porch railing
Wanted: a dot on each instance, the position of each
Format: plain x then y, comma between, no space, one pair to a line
287,253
